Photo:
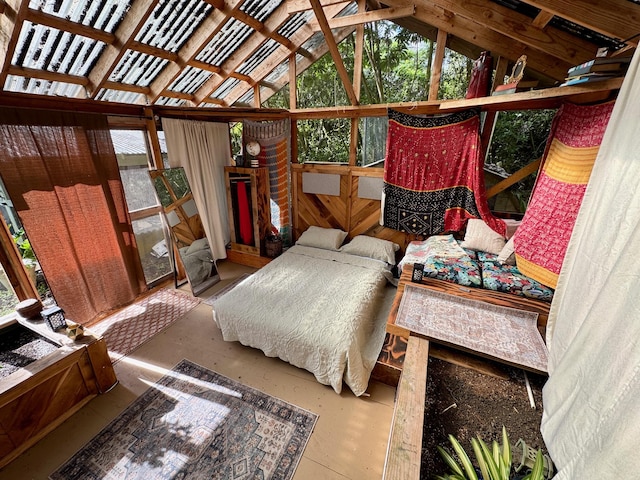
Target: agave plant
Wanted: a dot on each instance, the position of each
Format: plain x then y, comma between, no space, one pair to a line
494,463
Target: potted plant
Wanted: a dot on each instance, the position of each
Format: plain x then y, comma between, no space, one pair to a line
494,463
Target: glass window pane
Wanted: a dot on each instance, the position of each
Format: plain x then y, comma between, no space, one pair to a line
325,140
372,141
131,151
8,298
153,251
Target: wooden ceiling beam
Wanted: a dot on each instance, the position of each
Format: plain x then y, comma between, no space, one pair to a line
297,6
204,66
126,87
516,26
542,19
276,19
48,20
390,13
153,51
136,16
487,39
614,18
47,75
276,59
198,40
11,20
335,53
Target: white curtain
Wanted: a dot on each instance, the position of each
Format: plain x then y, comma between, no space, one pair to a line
591,420
203,149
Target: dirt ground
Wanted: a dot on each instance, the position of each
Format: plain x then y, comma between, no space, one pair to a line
467,403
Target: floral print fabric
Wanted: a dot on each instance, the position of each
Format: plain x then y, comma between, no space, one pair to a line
508,279
444,259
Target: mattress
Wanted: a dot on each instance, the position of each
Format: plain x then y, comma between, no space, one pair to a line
313,308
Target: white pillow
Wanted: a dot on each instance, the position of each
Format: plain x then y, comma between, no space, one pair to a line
507,255
480,236
197,245
371,247
327,238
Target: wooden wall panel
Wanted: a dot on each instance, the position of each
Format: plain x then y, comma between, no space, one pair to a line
357,216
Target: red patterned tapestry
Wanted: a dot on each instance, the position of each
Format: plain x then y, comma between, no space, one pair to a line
542,238
433,174
274,139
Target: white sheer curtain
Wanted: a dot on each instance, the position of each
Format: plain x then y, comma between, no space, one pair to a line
591,420
203,149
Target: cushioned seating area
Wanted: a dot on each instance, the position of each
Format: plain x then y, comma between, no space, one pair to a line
508,279
445,258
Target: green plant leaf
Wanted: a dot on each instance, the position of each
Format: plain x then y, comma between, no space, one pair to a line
450,461
494,474
481,463
464,458
506,448
537,472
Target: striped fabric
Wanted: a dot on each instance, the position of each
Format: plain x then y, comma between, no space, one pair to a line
273,138
542,238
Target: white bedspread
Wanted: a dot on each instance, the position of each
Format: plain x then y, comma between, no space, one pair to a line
313,308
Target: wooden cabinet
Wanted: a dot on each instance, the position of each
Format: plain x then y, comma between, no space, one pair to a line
249,211
35,399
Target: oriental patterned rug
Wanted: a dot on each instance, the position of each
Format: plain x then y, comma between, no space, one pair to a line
196,424
502,333
126,330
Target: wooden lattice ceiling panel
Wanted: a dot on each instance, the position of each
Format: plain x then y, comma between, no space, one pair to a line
239,52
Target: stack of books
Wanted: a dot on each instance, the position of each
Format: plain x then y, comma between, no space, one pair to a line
600,68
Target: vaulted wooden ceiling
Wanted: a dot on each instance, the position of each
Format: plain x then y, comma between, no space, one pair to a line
225,53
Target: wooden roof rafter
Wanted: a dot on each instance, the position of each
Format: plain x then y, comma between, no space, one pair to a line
335,53
281,55
253,43
487,39
137,15
11,20
614,18
203,34
250,46
519,27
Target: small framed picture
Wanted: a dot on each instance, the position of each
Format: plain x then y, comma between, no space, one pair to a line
418,269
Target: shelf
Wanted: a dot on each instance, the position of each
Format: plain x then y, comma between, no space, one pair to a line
539,99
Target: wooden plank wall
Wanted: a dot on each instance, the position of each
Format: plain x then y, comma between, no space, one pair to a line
348,212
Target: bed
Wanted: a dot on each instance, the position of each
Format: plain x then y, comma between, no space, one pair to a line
315,307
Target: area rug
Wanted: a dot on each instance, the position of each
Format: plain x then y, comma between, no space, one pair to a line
503,333
126,330
196,424
214,296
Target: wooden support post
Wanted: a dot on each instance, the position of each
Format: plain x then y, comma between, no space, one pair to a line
293,86
436,68
357,83
333,49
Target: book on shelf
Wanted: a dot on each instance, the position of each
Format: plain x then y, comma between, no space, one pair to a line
617,65
587,78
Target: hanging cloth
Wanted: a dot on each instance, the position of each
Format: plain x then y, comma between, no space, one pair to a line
433,175
244,215
543,236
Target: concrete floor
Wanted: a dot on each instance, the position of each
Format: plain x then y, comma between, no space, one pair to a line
350,437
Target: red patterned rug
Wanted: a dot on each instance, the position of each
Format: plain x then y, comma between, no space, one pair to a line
502,333
126,330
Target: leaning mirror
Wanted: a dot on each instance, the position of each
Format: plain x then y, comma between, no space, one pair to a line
187,233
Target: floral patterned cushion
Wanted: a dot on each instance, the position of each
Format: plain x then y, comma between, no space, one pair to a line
508,279
463,271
